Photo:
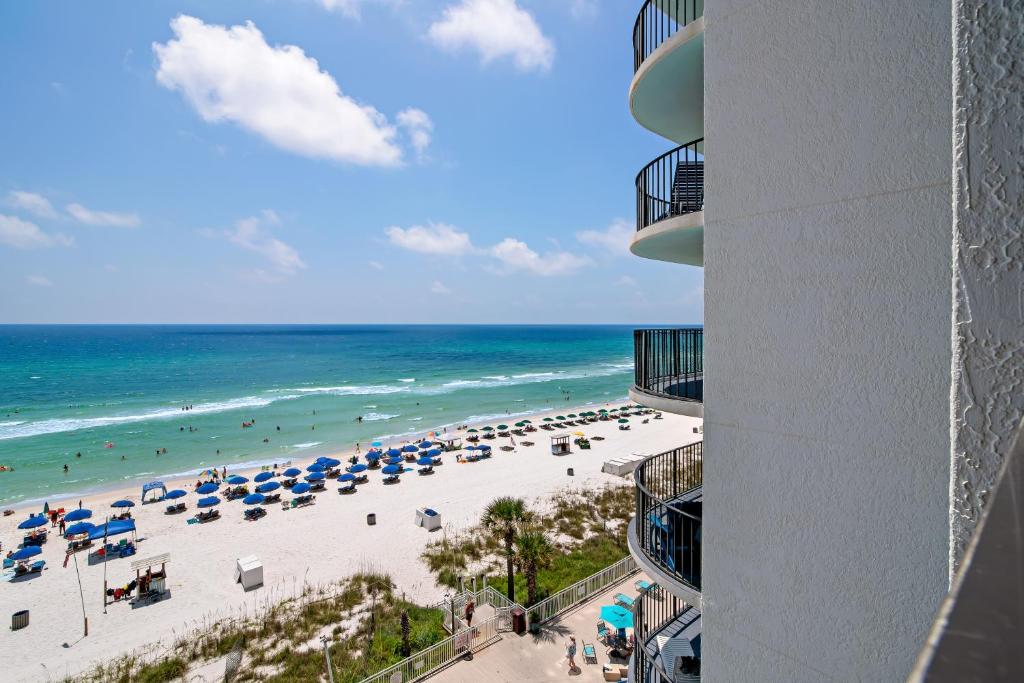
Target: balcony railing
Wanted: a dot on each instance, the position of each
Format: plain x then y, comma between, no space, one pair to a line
671,185
659,612
668,512
669,363
658,21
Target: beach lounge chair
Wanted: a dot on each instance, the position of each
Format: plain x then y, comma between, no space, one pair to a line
361,479
589,653
350,487
623,428
318,486
602,632
392,479
624,600
642,585
272,498
426,470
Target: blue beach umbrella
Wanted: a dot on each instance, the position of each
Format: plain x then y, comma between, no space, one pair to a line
392,452
209,487
316,476
376,444
425,461
618,617
409,448
425,445
348,476
394,461
329,462
358,467
471,448
26,552
236,480
392,469
301,487
434,452
122,504
33,522
176,493
268,487
483,447
292,472
316,467
78,515
79,528
253,499
208,502
263,476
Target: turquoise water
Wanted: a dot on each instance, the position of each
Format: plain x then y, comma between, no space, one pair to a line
75,389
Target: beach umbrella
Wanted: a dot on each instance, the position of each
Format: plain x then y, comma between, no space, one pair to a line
79,528
392,469
267,487
33,522
253,499
316,467
300,488
409,448
236,480
358,467
392,452
426,462
292,472
348,476
425,445
26,552
616,616
434,452
262,477
316,476
208,502
560,418
579,434
548,419
484,447
376,444
77,515
209,487
471,431
520,424
623,420
329,462
502,427
488,429
471,448
394,461
602,410
528,422
175,493
123,503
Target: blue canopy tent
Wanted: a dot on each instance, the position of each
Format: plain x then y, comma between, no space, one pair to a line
123,503
176,493
207,488
208,502
300,488
154,486
253,499
315,476
112,528
78,515
262,477
78,528
33,522
236,480
267,487
26,553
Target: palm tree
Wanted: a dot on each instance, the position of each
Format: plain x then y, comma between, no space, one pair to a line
503,517
535,552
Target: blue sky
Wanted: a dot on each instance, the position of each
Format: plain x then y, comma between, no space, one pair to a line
325,161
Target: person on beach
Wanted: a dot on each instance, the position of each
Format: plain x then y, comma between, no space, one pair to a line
470,608
65,468
357,446
570,653
62,526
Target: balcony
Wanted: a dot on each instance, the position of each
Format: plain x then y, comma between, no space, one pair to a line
665,535
670,207
669,370
667,92
668,638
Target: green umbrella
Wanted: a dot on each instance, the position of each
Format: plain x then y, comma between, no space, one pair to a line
573,415
472,431
623,420
502,427
488,429
602,410
560,418
520,424
527,422
548,419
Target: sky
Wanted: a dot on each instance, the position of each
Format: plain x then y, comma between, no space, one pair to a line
325,161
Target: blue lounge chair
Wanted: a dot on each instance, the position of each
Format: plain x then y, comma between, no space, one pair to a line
589,653
602,631
642,585
624,600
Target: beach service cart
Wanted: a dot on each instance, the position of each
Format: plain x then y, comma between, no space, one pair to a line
561,444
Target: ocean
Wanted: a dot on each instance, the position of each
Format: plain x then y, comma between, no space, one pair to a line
115,394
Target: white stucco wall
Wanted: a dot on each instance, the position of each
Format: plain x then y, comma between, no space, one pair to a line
827,318
988,280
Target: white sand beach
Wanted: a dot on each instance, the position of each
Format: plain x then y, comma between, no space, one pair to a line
315,544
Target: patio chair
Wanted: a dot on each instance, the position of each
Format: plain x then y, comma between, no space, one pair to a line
624,600
602,632
642,585
589,653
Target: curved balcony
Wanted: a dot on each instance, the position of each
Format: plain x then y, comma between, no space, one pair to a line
667,92
668,370
667,633
665,535
670,207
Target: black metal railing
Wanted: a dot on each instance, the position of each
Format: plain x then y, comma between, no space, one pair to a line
669,363
658,21
657,608
671,185
668,511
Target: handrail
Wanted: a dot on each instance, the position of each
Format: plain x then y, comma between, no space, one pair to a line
669,363
668,512
581,591
658,21
671,185
656,609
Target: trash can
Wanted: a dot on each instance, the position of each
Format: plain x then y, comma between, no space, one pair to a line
19,620
371,518
519,620
569,472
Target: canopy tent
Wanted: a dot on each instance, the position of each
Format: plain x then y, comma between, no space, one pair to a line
112,528
154,486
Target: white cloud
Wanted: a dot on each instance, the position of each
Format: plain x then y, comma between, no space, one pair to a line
583,9
434,238
21,234
418,127
104,218
376,265
495,29
31,202
38,281
438,287
276,92
615,238
352,9
517,255
253,234
626,281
